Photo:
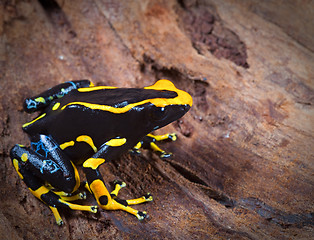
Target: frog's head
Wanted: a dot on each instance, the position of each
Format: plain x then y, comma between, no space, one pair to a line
166,104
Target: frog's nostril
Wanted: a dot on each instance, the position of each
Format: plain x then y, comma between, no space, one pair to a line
186,107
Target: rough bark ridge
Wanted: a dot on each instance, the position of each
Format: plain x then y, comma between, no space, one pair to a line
243,163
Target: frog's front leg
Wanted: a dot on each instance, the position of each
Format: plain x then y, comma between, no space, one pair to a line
44,169
96,185
149,142
118,185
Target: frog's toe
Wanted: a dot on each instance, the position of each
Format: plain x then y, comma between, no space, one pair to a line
117,186
141,215
120,183
164,155
59,222
135,151
94,209
172,136
148,197
56,214
82,195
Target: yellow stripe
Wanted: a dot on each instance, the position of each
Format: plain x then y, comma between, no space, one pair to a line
41,116
93,163
73,206
182,99
90,89
24,157
116,142
40,191
158,102
67,144
16,166
88,140
106,107
138,145
40,99
55,107
99,189
57,215
77,178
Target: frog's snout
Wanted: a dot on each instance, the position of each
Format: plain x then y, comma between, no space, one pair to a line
186,107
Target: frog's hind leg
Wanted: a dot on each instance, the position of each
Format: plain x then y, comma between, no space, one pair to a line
149,142
42,100
35,169
104,199
114,195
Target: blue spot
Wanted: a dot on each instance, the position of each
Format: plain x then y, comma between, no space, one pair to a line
51,166
31,103
73,84
38,146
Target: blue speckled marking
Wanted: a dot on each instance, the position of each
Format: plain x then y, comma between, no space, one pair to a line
31,103
37,146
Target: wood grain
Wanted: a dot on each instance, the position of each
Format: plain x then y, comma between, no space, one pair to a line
243,163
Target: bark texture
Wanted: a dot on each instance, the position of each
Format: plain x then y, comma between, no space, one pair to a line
243,163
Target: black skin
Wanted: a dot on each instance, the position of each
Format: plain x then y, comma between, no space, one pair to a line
47,161
133,125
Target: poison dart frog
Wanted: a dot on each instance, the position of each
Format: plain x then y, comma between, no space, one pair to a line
85,125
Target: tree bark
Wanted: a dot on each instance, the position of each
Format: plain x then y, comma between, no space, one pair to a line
242,167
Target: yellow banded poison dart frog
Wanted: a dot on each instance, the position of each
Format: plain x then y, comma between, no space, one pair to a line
81,124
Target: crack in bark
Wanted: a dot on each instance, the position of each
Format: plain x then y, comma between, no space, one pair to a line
271,214
57,17
192,177
207,33
267,212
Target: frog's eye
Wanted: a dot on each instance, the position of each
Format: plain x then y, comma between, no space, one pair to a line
158,114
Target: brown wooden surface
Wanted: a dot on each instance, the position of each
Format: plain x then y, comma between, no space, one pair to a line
243,163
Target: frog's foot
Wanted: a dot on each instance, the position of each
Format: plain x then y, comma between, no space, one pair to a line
124,204
64,203
112,202
71,197
149,142
53,199
63,199
117,186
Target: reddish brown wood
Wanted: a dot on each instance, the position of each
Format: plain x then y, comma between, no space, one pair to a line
243,162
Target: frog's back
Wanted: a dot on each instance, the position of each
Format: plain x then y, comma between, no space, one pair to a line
87,118
114,97
88,112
